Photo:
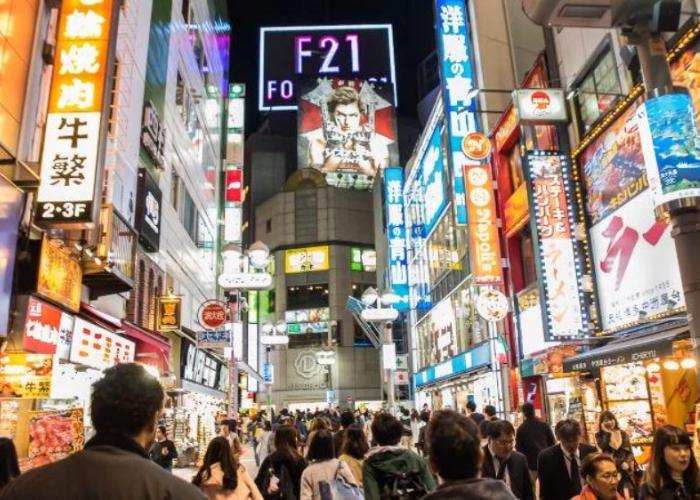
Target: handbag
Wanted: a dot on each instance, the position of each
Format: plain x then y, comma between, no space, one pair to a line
339,489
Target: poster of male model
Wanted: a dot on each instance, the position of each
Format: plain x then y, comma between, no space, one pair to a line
347,130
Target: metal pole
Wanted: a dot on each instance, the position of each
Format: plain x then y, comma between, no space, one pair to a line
232,367
390,390
268,387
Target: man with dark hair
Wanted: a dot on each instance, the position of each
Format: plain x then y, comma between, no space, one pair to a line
559,466
347,418
163,450
456,455
600,473
126,403
473,414
503,463
490,416
392,468
532,437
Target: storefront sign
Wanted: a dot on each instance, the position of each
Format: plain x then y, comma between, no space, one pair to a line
153,135
25,375
560,266
492,305
214,339
363,259
148,211
671,148
245,281
516,211
97,347
433,181
168,314
476,146
200,367
234,185
507,129
455,61
268,373
212,314
389,356
477,357
304,260
69,163
484,243
60,275
44,326
253,357
396,234
11,203
529,322
540,105
643,352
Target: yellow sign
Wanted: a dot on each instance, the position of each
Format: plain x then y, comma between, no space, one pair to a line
24,375
168,314
60,275
304,260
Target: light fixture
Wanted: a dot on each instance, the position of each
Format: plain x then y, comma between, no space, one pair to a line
267,328
671,365
369,296
281,327
258,253
688,363
389,297
653,367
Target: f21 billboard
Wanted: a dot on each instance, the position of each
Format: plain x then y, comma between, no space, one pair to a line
289,54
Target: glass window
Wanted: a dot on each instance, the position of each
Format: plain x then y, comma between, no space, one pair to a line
189,215
307,296
597,91
447,249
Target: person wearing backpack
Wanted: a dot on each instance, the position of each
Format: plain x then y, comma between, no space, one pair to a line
324,467
391,471
279,476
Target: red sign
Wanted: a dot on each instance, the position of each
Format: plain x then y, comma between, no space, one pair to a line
212,314
234,185
516,211
483,230
42,327
476,146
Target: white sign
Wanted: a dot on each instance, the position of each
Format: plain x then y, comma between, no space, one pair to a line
492,305
379,314
540,105
389,356
253,355
245,281
97,347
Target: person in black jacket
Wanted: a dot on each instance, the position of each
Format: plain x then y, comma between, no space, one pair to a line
286,465
559,466
163,450
347,418
503,463
673,470
532,437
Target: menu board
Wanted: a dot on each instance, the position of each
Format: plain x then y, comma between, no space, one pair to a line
24,375
97,347
53,435
627,397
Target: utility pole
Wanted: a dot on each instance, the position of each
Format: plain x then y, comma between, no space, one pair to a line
389,372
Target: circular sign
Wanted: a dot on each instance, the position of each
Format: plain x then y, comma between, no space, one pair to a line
476,146
492,305
212,314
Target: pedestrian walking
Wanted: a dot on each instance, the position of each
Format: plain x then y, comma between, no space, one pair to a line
422,444
279,476
355,448
614,442
347,418
125,405
163,450
489,416
559,466
502,462
318,424
532,437
672,473
473,414
601,477
221,477
9,465
455,455
416,424
323,467
264,439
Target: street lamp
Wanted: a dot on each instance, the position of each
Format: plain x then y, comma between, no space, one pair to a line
259,255
327,360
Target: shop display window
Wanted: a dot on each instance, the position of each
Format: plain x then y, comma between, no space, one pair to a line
447,249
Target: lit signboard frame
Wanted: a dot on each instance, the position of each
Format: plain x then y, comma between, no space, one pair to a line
294,259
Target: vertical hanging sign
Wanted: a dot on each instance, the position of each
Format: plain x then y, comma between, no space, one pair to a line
70,158
396,234
454,52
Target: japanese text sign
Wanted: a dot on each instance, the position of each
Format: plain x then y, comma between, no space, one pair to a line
560,266
454,52
97,347
44,325
433,180
234,185
60,275
25,375
396,234
484,245
303,260
168,314
69,161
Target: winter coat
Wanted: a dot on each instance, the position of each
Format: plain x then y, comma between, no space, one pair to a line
275,461
263,448
214,490
385,462
531,438
355,467
473,489
317,472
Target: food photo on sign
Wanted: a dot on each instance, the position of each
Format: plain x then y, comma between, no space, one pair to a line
347,130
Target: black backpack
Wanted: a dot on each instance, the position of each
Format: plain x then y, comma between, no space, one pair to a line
404,486
277,485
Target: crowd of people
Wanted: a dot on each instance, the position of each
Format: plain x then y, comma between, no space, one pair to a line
332,455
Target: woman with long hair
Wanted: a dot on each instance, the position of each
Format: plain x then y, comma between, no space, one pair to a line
355,447
324,467
614,442
221,477
9,465
673,471
280,473
318,424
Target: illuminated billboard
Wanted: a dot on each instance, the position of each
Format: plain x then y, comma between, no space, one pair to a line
347,130
290,53
304,260
396,235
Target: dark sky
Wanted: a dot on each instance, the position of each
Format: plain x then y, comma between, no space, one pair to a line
413,36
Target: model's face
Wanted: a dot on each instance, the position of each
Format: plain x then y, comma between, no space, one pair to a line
677,457
503,446
570,445
609,425
347,117
604,483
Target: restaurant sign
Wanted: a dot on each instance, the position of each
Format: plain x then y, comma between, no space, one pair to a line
60,275
168,312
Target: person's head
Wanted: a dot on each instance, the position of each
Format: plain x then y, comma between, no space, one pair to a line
608,422
501,438
347,419
671,455
600,473
568,433
161,433
286,441
387,430
321,447
267,426
218,452
127,400
344,106
355,442
528,410
414,414
455,446
425,416
9,465
490,411
471,406
319,424
228,426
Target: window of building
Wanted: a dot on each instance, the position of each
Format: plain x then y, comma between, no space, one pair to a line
112,121
307,296
205,243
597,90
447,250
189,215
268,225
174,189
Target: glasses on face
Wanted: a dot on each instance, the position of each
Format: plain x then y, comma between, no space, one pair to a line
505,442
608,476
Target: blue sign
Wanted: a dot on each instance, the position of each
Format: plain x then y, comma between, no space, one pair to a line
477,357
330,396
671,147
268,373
214,339
396,234
434,180
455,57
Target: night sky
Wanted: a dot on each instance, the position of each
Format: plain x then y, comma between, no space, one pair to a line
413,36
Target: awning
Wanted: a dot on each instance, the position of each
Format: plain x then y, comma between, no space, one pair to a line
151,349
656,343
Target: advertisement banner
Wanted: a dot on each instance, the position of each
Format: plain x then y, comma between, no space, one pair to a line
212,314
60,275
455,62
148,211
97,347
268,373
214,339
433,180
234,185
347,130
201,367
396,235
304,260
363,259
25,375
44,326
560,265
253,357
168,314
540,105
54,435
484,243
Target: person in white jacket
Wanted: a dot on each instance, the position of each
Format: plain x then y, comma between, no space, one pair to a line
263,448
324,467
221,477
